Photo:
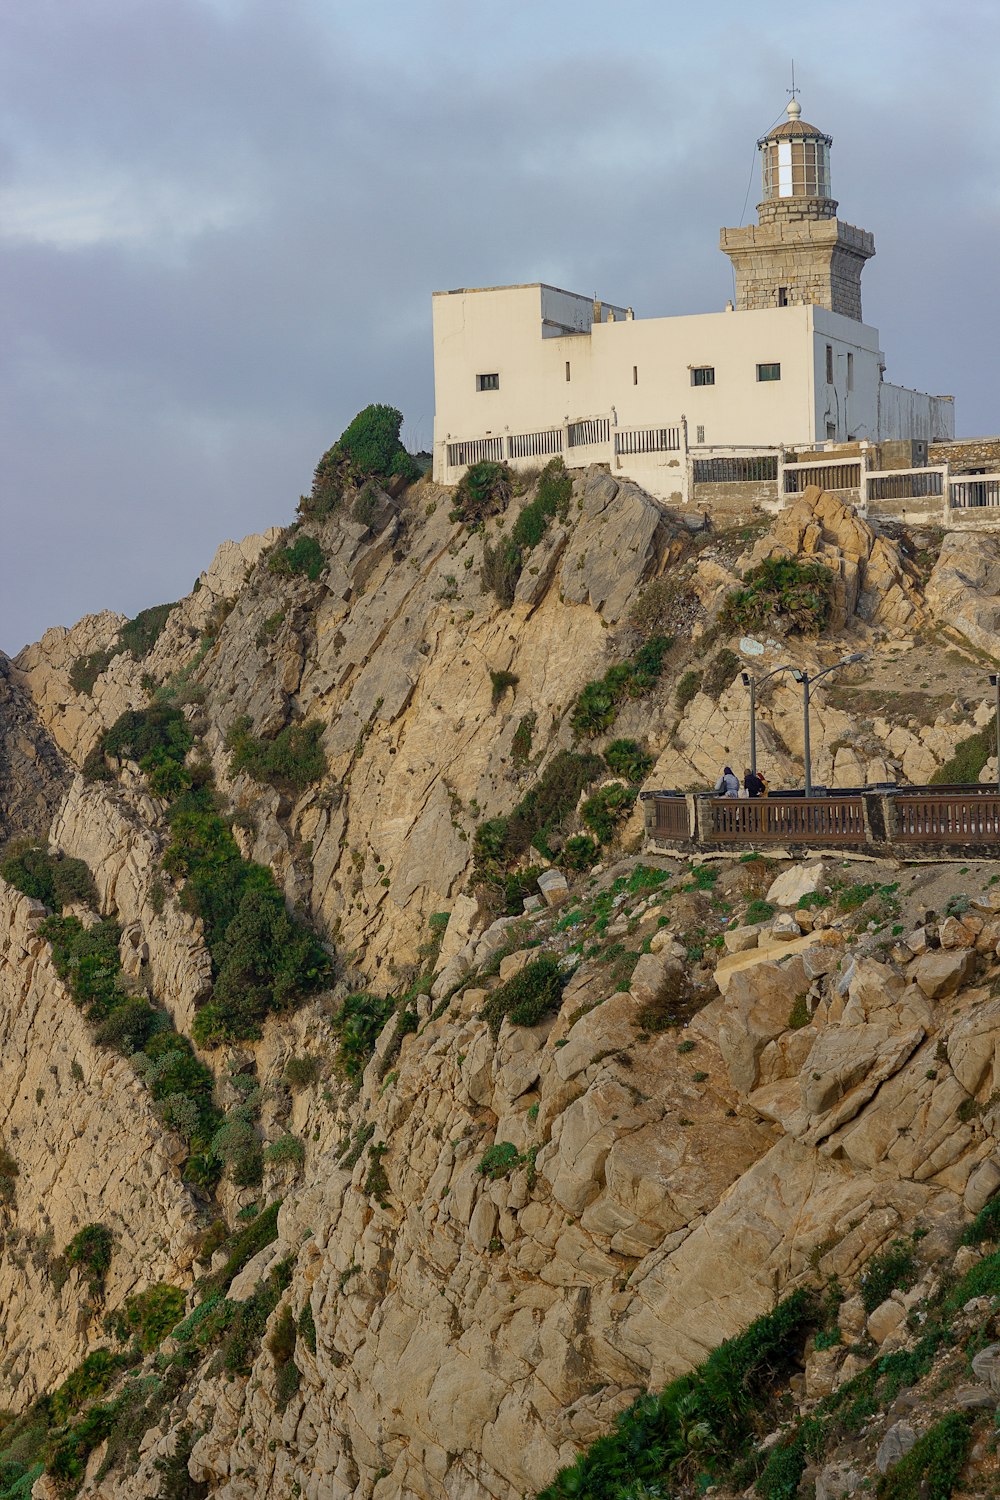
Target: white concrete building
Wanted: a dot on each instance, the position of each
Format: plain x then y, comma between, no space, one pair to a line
525,372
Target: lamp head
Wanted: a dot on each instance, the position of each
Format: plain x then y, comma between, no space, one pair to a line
746,678
797,674
855,656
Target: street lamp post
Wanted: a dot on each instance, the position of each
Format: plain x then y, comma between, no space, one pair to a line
807,680
995,681
751,682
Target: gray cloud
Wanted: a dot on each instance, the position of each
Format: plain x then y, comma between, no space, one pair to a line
222,222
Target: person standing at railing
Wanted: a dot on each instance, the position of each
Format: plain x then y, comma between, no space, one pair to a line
753,784
728,783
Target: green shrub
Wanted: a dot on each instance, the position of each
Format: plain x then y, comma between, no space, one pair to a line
307,1328
528,996
263,959
893,1269
580,853
606,808
9,1173
241,1248
501,570
597,706
696,1422
499,1160
520,746
365,507
501,680
88,1381
157,737
293,759
141,634
720,673
151,1315
629,759
91,1249
371,443
287,1150
54,879
499,842
552,497
781,590
985,1227
758,910
934,1464
689,687
358,1025
86,669
970,757
483,491
266,963
87,958
305,557
300,1072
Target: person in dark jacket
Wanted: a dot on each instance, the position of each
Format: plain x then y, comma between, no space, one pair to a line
753,784
728,783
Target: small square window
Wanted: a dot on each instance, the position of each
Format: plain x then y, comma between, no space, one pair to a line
829,364
635,374
768,372
703,375
782,296
567,369
850,371
487,382
699,434
831,431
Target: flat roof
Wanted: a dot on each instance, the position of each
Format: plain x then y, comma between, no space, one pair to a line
520,286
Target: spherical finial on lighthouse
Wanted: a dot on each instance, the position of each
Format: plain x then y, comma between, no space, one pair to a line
794,110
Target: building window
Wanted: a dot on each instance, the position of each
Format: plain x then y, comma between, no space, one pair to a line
850,372
567,369
699,434
831,432
703,375
487,382
782,296
768,372
635,374
829,364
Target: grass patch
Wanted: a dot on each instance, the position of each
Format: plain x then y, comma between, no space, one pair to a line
54,879
291,761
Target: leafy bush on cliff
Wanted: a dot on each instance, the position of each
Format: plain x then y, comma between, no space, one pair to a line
91,1249
483,491
629,759
369,447
293,759
150,1315
304,558
54,879
539,814
358,1024
598,705
606,808
781,591
502,563
528,996
971,755
141,634
157,737
86,669
697,1420
262,958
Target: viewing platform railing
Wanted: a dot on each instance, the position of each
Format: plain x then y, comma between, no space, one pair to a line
881,820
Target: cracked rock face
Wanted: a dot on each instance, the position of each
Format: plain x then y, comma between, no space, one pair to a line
33,775
472,1333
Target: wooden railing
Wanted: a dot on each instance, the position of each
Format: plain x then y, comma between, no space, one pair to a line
947,817
671,819
828,820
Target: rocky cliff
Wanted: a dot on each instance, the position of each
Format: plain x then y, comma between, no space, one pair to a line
529,1163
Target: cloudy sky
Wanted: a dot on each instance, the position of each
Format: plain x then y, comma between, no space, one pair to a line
221,222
